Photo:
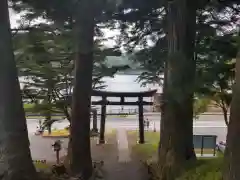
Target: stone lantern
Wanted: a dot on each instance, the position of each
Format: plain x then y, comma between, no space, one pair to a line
57,147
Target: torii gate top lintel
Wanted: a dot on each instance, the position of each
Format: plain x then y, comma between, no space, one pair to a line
123,94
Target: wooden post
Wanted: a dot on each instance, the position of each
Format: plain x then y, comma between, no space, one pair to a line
57,156
94,129
202,144
141,120
154,127
214,150
103,120
122,99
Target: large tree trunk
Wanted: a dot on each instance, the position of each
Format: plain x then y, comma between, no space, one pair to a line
232,156
67,160
81,161
176,143
225,115
15,158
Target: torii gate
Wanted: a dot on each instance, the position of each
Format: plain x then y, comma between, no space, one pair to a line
122,95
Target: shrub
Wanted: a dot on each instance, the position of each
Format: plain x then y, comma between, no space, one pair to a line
67,128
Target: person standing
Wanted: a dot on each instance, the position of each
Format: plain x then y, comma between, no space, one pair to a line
147,123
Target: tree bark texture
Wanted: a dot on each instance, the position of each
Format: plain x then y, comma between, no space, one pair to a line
67,160
15,157
81,161
225,115
48,115
176,136
232,156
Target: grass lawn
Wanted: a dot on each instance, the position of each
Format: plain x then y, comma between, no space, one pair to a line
204,169
42,166
28,106
150,148
145,151
42,117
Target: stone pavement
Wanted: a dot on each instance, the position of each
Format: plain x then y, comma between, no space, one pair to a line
126,171
123,150
116,155
120,166
41,148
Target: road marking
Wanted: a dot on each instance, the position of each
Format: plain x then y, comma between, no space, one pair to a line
210,126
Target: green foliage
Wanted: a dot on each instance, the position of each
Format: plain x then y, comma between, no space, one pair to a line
35,53
143,30
216,71
200,106
45,60
28,107
142,33
147,58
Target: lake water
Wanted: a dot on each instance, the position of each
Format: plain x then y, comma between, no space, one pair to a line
126,83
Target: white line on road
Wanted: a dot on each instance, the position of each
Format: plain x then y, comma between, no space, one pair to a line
210,126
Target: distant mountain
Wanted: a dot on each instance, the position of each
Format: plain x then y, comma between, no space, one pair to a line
129,67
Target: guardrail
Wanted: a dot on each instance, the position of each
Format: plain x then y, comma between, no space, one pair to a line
111,112
62,115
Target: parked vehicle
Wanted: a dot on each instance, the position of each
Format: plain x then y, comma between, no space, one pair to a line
221,146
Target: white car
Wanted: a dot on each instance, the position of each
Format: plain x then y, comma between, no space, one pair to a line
221,146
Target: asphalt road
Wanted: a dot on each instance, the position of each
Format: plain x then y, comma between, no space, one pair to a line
41,147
